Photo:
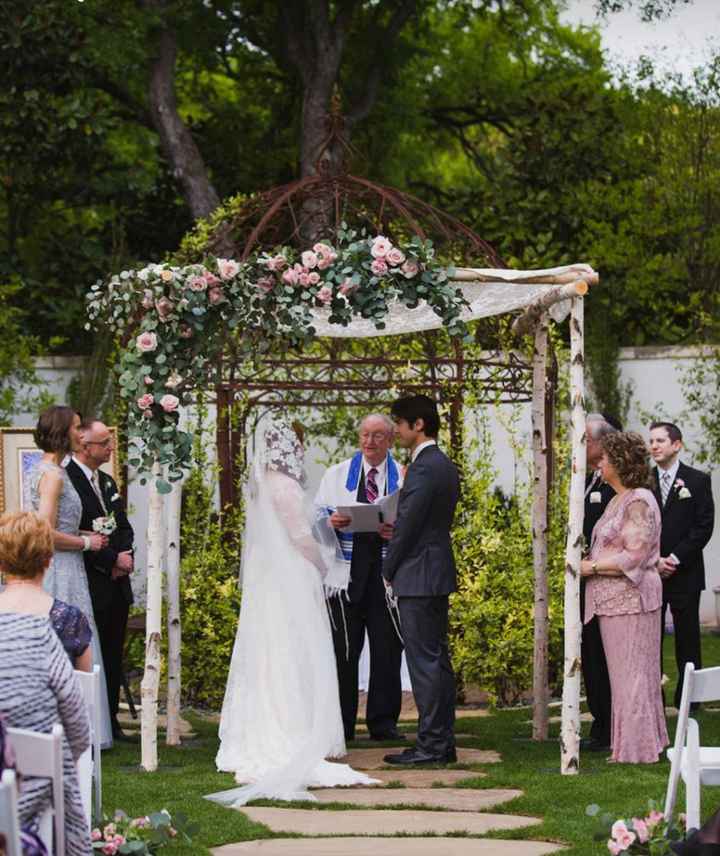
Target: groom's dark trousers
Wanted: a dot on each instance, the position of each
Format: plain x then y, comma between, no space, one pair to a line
421,568
365,608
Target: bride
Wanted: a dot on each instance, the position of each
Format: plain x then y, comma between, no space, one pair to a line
281,714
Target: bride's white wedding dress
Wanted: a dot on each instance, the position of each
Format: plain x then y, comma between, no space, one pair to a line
281,714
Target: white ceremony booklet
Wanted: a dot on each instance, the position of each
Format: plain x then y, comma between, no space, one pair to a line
367,516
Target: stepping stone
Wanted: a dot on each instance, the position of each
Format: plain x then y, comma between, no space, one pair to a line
383,821
451,799
414,846
372,759
424,778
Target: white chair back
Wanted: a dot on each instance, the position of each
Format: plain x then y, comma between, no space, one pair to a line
696,764
42,755
89,764
9,820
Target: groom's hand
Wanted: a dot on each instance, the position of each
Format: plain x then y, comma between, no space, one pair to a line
339,521
386,531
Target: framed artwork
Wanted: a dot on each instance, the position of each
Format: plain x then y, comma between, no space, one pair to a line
18,455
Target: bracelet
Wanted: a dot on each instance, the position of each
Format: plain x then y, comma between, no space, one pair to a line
86,543
593,567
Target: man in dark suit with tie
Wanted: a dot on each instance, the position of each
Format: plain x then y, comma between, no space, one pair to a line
594,666
107,570
420,569
684,495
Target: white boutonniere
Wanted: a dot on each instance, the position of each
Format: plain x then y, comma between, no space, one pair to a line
114,497
682,491
595,496
105,525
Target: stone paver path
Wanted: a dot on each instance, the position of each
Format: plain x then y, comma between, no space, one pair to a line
424,778
415,846
382,821
451,799
372,759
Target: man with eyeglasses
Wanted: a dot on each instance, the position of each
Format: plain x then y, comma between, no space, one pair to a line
356,599
108,570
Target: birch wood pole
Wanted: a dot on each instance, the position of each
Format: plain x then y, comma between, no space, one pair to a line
570,728
153,628
172,734
539,531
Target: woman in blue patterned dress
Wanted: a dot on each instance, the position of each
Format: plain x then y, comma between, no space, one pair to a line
56,500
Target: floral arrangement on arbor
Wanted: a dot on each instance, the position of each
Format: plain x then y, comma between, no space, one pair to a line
173,320
140,835
645,836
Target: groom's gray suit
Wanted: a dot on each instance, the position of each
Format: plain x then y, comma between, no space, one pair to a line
421,568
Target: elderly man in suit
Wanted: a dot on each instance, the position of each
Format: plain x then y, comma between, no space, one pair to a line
684,495
107,570
594,666
420,570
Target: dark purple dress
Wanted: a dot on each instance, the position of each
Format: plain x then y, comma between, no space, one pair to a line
71,626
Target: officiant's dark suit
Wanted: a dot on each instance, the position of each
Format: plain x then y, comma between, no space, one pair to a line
687,526
111,598
421,569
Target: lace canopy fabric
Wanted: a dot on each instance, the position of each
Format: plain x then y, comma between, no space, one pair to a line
492,292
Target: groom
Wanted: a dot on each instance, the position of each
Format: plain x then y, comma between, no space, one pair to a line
420,568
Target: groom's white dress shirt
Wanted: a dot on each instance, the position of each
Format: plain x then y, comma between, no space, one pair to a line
418,449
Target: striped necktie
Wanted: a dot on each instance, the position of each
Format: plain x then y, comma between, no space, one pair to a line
371,488
95,482
665,485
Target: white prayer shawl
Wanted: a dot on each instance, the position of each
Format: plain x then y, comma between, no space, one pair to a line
339,486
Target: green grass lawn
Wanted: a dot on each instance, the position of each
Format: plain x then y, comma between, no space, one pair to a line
188,772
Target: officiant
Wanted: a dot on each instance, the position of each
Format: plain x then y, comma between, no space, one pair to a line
356,598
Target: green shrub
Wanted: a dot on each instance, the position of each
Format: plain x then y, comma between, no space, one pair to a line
491,614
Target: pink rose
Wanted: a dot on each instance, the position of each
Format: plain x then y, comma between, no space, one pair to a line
145,401
324,263
309,259
216,295
110,848
185,331
323,250
641,829
654,818
96,835
211,279
378,267
290,277
614,847
313,278
276,263
622,834
164,307
395,257
265,283
324,295
227,268
410,269
148,300
304,279
169,403
148,380
146,342
119,839
198,283
347,287
380,247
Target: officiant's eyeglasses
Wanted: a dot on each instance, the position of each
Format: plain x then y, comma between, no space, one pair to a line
103,443
376,436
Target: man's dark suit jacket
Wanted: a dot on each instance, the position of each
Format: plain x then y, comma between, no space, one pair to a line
594,510
687,526
419,560
99,563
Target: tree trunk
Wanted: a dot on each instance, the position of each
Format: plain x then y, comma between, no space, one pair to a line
539,531
172,735
153,628
570,728
177,142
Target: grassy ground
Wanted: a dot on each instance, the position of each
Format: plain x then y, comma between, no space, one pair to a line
188,772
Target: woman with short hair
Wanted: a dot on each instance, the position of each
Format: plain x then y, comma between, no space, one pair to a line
55,499
625,591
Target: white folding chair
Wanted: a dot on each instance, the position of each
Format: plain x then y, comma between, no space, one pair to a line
42,755
89,763
9,820
698,765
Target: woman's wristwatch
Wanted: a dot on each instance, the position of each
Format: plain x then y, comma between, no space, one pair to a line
593,567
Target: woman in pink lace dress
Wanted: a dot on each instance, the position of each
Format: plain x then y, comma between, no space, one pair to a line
625,591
